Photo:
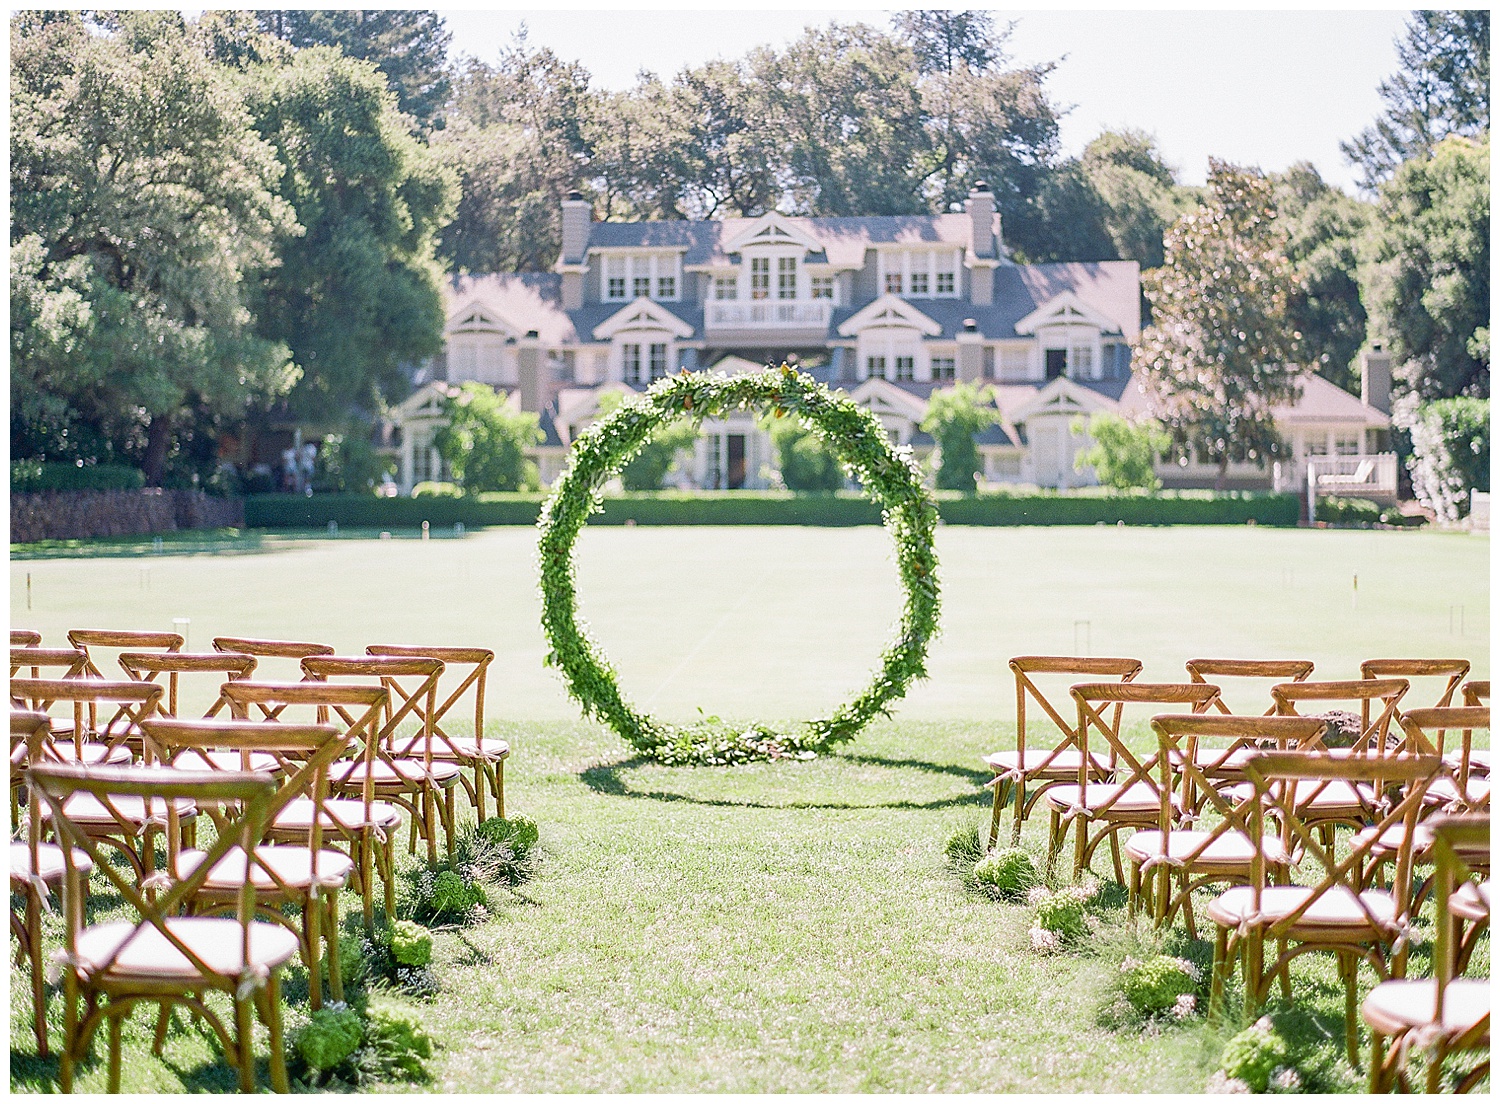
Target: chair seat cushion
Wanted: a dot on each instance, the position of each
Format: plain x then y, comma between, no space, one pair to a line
338,812
1445,790
1230,849
1411,1002
216,940
405,773
226,761
293,866
460,749
50,866
1471,901
1326,798
87,810
1335,909
1138,799
91,753
1063,764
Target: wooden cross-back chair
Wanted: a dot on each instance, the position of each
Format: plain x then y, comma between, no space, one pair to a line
1334,913
1131,799
1453,671
72,662
102,722
305,875
486,757
181,667
91,641
25,638
1025,774
36,868
404,770
1212,844
365,826
293,652
162,957
1220,671
1477,692
1445,1014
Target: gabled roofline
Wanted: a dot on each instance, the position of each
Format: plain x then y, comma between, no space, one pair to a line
894,396
1089,399
867,316
787,225
476,303
626,318
1064,301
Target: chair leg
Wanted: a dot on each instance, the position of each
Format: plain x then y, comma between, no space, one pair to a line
114,1052
163,1021
997,807
270,1013
70,1031
1349,967
244,1034
335,975
38,980
367,876
1216,975
500,787
480,779
1114,850
312,938
1020,811
1377,1063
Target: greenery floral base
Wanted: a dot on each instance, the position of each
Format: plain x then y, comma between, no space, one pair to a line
889,476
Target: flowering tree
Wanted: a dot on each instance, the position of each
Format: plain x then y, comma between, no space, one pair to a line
1223,353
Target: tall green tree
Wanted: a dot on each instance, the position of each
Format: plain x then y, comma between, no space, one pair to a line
1123,453
945,41
410,48
729,157
646,470
1324,228
1426,271
356,295
1441,89
486,439
954,415
1221,353
804,459
142,205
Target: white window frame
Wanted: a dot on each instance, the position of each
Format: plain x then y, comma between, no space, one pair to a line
630,361
872,362
658,360
899,271
726,288
943,367
823,287
626,273
760,278
615,269
786,278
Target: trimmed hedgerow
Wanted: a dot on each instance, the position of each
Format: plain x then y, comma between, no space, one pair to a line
889,476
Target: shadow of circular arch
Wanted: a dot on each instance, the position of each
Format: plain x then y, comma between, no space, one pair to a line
608,779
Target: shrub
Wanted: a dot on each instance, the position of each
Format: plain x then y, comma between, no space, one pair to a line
395,1047
485,441
1450,442
1158,984
347,463
1123,454
454,896
651,465
1254,1055
964,848
38,476
954,415
1010,873
430,488
1348,511
806,462
1060,918
519,833
411,944
331,1035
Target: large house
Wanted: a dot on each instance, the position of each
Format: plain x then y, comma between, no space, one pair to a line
888,308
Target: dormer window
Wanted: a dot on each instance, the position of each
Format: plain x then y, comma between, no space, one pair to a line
760,277
614,273
666,287
893,283
726,287
639,275
821,287
921,273
786,277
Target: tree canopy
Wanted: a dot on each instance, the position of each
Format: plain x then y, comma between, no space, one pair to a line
954,416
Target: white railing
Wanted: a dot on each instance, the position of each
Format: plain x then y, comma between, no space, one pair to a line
1355,476
769,313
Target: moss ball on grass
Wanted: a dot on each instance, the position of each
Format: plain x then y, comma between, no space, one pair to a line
1062,914
1010,874
1254,1055
1155,985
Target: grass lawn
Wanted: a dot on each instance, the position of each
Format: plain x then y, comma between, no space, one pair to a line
782,926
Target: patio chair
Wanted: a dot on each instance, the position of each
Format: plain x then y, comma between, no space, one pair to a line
215,668
365,826
1445,1014
72,662
1221,671
287,655
103,724
1213,845
1451,670
305,875
404,770
95,641
1333,913
1132,798
25,638
161,957
486,757
1041,768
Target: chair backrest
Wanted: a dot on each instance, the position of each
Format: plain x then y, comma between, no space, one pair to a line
358,710
244,799
471,663
419,702
1109,722
1294,698
73,662
1453,838
29,733
1287,782
1181,763
1426,733
25,638
292,651
1477,692
302,752
150,666
1451,671
122,705
1028,669
95,641
1220,671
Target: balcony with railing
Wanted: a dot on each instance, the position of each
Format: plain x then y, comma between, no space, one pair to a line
1369,476
767,314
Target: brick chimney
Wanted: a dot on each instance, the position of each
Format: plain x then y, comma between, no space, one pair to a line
577,215
529,372
1375,377
981,208
970,352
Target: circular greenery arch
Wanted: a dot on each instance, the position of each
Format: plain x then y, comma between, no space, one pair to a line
890,477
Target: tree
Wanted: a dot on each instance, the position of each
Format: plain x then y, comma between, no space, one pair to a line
1442,89
356,294
805,460
947,40
729,159
1450,452
1138,193
650,466
954,415
1426,271
1324,228
142,205
1123,454
1221,353
485,441
410,48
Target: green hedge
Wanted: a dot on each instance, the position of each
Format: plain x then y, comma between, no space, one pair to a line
38,477
1348,511
775,508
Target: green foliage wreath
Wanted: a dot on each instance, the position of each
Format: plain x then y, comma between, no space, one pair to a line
890,477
